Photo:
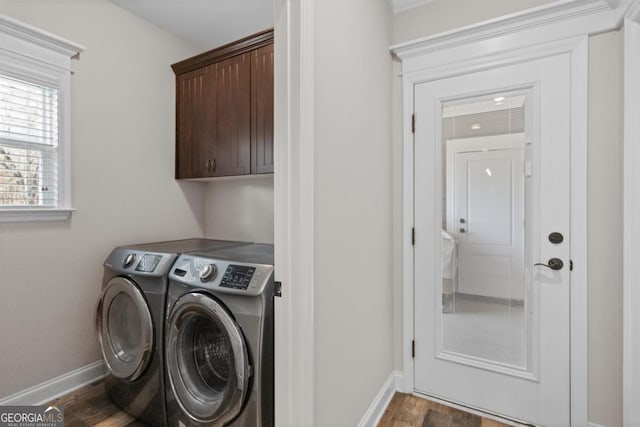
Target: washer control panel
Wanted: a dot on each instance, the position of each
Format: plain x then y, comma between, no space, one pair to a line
126,260
221,275
208,272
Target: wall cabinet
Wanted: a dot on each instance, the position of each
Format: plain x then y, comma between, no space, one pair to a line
224,110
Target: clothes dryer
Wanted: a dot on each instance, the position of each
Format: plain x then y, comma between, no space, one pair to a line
219,338
130,323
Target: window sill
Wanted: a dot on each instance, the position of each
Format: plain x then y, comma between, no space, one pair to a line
30,215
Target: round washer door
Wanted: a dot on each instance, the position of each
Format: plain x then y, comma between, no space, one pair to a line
207,360
125,329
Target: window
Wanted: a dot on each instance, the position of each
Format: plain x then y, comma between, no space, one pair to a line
28,144
35,82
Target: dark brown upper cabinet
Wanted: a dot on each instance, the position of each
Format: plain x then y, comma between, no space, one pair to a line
224,110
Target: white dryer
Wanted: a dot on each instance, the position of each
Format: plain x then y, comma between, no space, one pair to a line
219,338
130,323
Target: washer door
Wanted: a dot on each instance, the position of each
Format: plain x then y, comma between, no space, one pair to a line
207,360
125,329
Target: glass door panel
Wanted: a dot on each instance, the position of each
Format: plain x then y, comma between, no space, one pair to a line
484,286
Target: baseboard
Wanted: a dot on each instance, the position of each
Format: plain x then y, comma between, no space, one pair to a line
380,403
56,387
595,425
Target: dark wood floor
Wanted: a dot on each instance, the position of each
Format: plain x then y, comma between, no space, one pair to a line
406,410
90,406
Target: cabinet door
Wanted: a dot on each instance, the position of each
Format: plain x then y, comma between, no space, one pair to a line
262,110
230,111
193,128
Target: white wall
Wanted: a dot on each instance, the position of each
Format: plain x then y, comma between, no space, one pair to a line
353,215
123,188
240,209
605,229
605,191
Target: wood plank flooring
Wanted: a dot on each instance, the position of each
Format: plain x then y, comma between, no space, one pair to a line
89,406
406,410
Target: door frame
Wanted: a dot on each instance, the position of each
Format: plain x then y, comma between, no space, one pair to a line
631,225
477,55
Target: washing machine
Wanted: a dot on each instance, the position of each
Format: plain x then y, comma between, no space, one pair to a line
130,323
219,338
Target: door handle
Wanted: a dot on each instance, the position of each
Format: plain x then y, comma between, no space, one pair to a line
553,263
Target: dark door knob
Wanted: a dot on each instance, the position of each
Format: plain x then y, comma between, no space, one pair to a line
553,263
556,237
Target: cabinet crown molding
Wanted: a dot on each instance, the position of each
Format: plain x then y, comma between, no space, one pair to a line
238,47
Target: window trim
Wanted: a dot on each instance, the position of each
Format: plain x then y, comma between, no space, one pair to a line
33,54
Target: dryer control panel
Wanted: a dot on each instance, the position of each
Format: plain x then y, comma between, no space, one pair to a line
132,261
221,275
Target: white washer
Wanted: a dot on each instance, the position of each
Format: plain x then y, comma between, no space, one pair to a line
130,323
219,338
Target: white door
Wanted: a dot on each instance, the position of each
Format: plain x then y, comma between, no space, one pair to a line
503,352
485,190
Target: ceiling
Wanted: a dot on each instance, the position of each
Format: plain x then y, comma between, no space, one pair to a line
205,23
211,23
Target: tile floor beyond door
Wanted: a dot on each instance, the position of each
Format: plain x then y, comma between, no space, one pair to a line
406,410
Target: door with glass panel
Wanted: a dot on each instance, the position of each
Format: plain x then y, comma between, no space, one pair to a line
492,220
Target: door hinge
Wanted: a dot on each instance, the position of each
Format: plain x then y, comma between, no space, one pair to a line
413,123
570,265
413,349
413,236
277,289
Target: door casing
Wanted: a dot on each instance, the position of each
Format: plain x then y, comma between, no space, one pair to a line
577,47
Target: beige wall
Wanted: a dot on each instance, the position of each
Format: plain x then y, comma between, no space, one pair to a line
605,229
123,188
353,197
240,209
439,16
605,191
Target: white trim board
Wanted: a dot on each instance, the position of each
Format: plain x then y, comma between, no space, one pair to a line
631,210
567,18
373,415
294,226
398,6
47,391
463,53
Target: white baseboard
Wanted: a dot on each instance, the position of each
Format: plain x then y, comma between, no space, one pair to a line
595,425
56,387
380,403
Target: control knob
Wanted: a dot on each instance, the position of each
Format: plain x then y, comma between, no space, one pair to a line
128,260
208,272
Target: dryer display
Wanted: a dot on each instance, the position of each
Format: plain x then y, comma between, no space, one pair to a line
237,277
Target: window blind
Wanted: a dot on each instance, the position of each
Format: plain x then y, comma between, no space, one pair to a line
28,144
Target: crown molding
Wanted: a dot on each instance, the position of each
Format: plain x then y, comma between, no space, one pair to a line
398,6
34,35
568,17
633,13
